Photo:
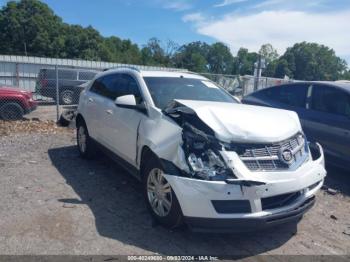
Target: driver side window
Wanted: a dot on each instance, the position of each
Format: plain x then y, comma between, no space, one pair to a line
116,85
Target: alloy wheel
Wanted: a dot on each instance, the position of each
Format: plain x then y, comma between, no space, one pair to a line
159,192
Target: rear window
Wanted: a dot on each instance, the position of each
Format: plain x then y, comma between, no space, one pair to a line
47,74
62,74
67,74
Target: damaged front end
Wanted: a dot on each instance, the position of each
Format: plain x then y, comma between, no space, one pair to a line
219,187
200,146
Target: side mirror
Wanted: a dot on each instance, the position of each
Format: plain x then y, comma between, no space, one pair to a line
129,101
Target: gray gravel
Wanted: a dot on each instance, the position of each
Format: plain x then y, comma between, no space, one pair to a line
53,202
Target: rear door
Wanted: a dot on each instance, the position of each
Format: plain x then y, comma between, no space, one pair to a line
94,101
328,119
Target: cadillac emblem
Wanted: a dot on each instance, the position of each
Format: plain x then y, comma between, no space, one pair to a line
286,155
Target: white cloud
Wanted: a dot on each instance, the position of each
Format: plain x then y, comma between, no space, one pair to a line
268,3
280,28
193,17
177,5
229,2
295,4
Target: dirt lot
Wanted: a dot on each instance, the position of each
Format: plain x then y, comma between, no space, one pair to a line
53,202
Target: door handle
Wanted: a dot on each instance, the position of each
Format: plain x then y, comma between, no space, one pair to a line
90,99
109,111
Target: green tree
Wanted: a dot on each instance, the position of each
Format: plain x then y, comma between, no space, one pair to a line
282,69
345,75
220,59
244,62
122,51
270,55
192,56
154,54
311,61
31,27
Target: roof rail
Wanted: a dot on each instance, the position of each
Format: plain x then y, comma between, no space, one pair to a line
123,66
147,68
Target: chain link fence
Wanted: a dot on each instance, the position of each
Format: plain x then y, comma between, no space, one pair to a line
243,85
50,86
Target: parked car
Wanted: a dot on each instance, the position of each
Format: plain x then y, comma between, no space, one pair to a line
69,81
203,158
324,111
14,103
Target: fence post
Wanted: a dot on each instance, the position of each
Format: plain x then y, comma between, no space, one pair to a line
57,95
17,75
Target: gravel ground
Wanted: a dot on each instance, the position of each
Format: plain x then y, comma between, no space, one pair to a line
53,202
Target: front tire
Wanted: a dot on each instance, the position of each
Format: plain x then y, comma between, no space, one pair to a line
160,197
85,144
11,111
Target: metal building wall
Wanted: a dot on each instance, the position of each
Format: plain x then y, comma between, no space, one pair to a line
22,71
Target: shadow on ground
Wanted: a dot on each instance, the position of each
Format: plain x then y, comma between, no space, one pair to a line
116,201
338,179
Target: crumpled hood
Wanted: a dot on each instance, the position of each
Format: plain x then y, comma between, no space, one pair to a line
244,123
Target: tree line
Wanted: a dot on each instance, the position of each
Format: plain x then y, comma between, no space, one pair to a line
30,27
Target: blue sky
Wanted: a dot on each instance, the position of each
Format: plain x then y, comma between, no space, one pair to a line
247,23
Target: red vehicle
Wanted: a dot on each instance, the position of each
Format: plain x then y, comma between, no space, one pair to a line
14,103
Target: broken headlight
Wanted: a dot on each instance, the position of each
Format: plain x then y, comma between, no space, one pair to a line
208,166
203,156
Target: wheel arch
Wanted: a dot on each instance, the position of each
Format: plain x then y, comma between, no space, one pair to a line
169,167
146,155
80,120
13,100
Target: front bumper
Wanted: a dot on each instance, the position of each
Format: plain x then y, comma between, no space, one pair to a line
32,105
196,197
225,225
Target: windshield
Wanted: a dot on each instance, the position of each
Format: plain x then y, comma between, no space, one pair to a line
165,89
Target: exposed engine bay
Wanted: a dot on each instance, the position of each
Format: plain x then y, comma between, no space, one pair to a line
201,147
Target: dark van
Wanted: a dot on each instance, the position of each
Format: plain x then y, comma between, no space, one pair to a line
69,81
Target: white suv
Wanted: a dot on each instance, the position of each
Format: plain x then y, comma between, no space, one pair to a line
204,159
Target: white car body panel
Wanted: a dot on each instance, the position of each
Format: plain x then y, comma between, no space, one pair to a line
244,123
127,132
196,195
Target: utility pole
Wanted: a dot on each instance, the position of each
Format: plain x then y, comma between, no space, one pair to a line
258,66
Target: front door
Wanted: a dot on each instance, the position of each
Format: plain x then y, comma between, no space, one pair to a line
120,125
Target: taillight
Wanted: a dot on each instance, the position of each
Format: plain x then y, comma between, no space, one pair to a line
43,83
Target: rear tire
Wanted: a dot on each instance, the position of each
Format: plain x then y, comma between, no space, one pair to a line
11,111
160,197
67,97
86,146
